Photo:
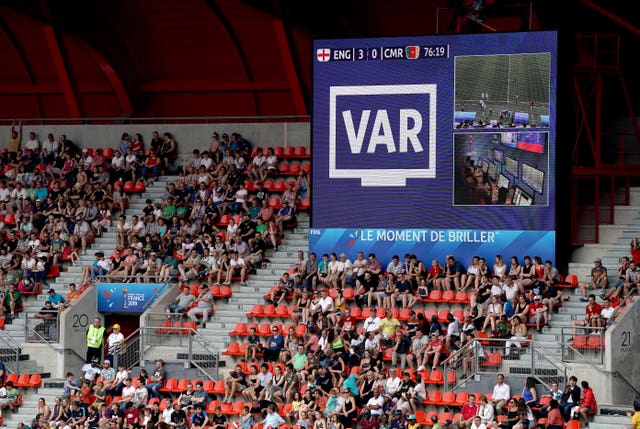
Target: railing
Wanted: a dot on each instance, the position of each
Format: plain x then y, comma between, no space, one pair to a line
626,301
486,356
10,351
170,341
585,345
38,330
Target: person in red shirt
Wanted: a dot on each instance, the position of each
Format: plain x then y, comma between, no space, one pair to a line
588,406
468,412
436,350
592,317
131,416
348,322
434,272
538,313
635,250
151,164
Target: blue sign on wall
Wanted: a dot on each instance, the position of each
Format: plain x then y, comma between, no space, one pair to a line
128,297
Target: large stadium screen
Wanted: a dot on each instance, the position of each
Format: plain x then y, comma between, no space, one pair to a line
396,123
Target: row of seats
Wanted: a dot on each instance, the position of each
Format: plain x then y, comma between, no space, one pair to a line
403,314
282,152
24,380
130,186
286,152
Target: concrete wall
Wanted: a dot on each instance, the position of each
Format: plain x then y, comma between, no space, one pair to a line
188,136
621,354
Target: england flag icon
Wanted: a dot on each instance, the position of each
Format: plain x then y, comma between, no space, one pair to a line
323,54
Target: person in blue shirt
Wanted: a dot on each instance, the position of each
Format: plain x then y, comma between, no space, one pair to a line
275,344
56,299
272,420
199,419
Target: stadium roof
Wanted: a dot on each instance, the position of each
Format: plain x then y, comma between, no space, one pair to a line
194,58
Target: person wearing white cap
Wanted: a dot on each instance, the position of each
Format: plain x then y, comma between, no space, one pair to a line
114,343
538,312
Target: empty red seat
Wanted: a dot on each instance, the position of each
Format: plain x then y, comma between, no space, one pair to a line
288,151
129,186
139,186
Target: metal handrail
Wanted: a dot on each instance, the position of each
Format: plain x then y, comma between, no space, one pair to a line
617,311
10,352
568,346
157,341
41,330
544,354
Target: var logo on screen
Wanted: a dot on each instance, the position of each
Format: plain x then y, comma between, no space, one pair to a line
382,134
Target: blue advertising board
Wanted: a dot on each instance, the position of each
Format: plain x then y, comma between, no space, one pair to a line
128,297
430,244
403,137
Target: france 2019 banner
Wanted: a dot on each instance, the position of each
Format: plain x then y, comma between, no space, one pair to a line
128,297
448,133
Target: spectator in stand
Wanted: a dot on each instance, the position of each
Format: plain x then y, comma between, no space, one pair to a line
452,272
554,417
607,313
501,394
285,216
635,415
588,406
592,315
202,307
48,329
12,303
168,151
180,304
468,412
274,345
234,382
435,352
599,279
538,313
635,250
570,398
632,280
529,393
617,284
81,233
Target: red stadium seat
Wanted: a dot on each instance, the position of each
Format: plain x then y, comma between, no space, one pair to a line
284,168
288,151
305,204
274,202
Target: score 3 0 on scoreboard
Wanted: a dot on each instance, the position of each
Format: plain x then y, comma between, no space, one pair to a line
412,52
404,131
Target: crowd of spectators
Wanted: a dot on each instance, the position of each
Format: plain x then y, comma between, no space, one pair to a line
341,359
56,198
61,197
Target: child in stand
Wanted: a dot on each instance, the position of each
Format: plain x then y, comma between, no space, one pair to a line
246,418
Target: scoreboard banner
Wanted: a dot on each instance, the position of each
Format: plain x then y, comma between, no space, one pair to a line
452,132
430,244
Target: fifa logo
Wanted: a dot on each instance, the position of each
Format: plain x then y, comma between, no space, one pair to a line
376,126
